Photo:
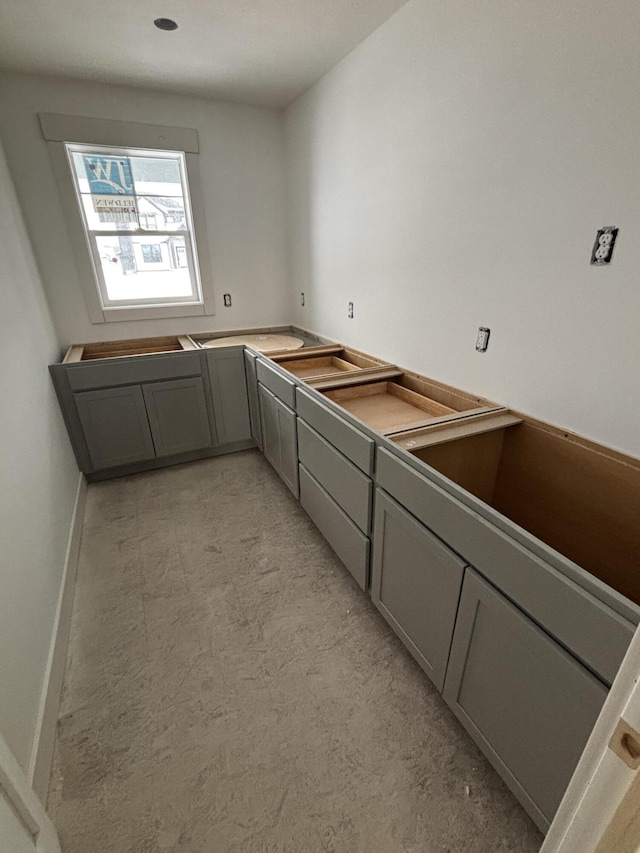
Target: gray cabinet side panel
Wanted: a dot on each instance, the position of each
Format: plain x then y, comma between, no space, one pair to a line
252,390
415,583
288,435
269,427
229,393
349,543
344,482
178,415
272,379
115,426
528,704
355,445
589,628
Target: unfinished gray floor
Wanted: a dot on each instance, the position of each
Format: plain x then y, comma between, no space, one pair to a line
229,688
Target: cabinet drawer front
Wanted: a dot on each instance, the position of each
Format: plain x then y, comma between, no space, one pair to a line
282,387
178,416
115,426
590,629
355,445
132,370
346,484
527,703
349,543
415,584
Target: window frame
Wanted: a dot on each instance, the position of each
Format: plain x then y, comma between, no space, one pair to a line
59,130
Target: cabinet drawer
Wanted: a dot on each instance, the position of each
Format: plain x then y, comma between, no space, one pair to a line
589,628
346,484
526,702
282,387
349,543
415,584
355,445
133,370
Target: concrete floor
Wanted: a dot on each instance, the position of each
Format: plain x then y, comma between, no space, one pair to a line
229,689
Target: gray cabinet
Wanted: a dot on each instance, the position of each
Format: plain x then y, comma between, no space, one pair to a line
526,702
229,394
115,426
251,376
177,412
415,584
279,437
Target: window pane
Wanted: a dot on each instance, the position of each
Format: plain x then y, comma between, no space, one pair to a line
144,267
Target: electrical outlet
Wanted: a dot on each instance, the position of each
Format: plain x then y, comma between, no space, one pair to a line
603,247
227,300
482,341
350,311
302,299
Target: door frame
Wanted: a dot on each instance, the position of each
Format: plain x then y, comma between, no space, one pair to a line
20,795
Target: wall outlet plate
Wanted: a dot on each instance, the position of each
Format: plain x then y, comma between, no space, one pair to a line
482,341
603,247
227,300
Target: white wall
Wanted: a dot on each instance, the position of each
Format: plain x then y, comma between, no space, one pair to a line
39,479
452,172
242,168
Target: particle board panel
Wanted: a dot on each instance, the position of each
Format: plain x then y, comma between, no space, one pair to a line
472,463
386,406
577,497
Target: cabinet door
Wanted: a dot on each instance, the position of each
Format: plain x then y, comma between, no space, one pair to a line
269,427
229,393
288,436
115,426
178,416
415,584
252,391
527,703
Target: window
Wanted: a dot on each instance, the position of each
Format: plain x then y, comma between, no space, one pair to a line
154,199
151,253
136,213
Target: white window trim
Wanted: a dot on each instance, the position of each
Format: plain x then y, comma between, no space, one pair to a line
58,129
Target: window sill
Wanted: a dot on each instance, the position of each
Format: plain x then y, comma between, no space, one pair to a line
147,312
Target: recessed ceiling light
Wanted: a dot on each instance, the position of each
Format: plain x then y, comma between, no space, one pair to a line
165,24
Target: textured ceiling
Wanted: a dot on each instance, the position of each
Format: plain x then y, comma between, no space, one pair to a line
257,51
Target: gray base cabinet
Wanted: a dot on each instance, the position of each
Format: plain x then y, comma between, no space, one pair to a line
527,703
415,584
178,417
279,437
115,426
229,394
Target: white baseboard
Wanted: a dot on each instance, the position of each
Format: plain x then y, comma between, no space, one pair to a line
45,734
